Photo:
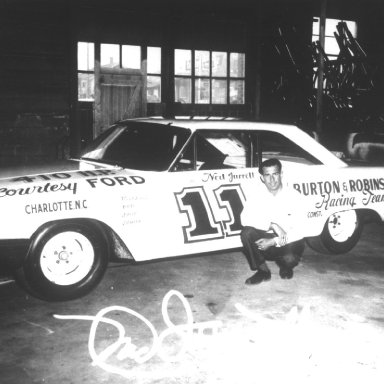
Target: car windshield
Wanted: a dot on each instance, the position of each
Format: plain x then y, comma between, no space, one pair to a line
138,145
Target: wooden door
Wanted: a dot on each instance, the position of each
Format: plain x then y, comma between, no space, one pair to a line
122,96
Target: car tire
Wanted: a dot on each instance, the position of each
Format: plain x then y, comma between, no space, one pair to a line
66,260
340,234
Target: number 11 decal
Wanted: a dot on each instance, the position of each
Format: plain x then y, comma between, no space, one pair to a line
202,224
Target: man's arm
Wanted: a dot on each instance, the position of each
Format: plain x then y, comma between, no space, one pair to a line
264,244
282,237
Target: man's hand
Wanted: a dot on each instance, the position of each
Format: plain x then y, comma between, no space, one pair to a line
264,244
282,235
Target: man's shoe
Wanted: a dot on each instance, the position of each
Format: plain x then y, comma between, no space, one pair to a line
259,277
286,273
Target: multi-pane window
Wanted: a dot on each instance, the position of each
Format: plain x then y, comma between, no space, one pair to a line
117,56
183,85
120,56
331,47
214,78
154,75
85,71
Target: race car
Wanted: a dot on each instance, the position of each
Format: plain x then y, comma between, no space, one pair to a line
153,188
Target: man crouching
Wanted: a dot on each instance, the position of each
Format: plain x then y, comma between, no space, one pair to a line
271,228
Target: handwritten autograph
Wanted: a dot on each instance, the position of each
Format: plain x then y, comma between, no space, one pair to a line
124,348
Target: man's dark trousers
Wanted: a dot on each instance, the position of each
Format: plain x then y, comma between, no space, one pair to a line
287,256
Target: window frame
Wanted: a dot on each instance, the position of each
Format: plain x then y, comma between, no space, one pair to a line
86,72
331,36
120,68
227,78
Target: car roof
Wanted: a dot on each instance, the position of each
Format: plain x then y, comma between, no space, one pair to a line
295,134
213,122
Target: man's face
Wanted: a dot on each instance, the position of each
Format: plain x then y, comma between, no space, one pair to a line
271,177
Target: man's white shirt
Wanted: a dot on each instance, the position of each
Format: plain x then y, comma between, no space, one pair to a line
285,209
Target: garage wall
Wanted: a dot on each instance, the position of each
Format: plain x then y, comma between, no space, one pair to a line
39,114
34,113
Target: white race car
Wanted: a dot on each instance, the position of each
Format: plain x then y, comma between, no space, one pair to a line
153,188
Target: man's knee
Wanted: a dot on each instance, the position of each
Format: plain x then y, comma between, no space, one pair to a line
290,260
293,253
247,233
251,234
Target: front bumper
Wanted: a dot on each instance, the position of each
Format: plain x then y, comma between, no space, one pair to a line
13,252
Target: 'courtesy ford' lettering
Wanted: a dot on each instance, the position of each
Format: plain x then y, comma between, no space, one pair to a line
48,187
116,180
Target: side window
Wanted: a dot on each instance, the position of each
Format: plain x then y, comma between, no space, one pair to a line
216,150
273,144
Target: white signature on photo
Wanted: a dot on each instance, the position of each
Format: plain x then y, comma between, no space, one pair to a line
123,347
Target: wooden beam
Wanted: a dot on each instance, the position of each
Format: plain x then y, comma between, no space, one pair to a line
320,85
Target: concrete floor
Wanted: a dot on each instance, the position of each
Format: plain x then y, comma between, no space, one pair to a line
324,326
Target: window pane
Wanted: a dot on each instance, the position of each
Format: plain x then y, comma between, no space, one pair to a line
182,90
154,60
219,91
221,150
352,26
331,46
182,62
237,64
316,26
330,27
85,56
202,91
131,55
236,91
202,63
86,86
110,56
154,89
219,64
276,145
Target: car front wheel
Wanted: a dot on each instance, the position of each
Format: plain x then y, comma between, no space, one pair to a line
340,234
65,261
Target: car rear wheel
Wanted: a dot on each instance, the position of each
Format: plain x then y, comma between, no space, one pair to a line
65,261
340,234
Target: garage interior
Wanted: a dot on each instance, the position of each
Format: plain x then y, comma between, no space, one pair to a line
71,68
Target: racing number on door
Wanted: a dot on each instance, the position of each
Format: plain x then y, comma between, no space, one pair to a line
202,224
232,199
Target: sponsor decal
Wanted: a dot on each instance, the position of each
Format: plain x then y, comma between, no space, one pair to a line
132,207
63,175
318,188
56,206
48,187
314,214
346,194
115,180
330,202
370,197
335,186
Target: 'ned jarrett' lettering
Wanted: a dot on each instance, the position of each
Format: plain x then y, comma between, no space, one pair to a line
48,187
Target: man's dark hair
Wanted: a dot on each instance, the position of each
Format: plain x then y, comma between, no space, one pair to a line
270,163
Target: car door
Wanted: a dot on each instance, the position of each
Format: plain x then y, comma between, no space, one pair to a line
202,197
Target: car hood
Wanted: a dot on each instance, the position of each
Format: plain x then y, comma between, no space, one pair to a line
62,166
37,169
